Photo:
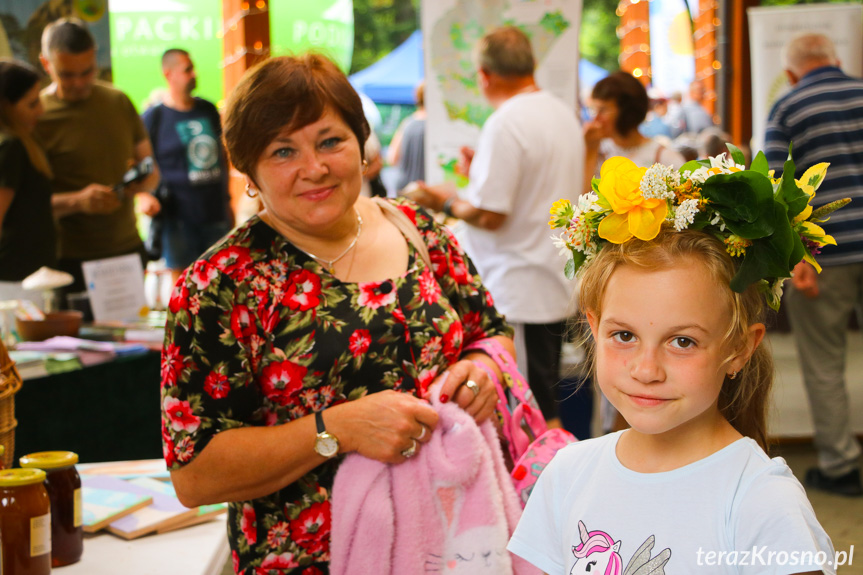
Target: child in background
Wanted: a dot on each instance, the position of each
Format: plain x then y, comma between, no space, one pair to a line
672,275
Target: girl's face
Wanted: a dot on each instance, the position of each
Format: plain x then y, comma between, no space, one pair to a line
26,111
659,347
310,178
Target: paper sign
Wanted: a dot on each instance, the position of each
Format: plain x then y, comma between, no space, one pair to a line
116,288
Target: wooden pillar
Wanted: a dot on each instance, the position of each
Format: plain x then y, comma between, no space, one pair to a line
246,41
707,64
634,35
738,72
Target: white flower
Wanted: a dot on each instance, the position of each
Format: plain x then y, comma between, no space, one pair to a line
699,175
724,162
560,243
587,203
658,182
716,220
685,214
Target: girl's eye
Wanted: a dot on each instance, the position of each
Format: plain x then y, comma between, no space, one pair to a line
682,342
623,336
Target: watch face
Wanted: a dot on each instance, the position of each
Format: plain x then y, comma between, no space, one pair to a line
326,445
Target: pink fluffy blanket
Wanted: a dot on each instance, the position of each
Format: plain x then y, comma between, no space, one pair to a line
449,509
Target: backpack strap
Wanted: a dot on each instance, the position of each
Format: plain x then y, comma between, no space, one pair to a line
406,227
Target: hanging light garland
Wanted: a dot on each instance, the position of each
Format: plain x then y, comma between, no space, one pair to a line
232,24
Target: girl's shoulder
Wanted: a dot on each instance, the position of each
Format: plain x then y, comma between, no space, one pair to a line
585,453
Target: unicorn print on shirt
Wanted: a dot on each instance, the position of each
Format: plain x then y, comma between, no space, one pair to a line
599,553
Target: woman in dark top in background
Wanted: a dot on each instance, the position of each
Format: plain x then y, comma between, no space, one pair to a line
27,237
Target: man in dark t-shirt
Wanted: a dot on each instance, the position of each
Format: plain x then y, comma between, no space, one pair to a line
186,134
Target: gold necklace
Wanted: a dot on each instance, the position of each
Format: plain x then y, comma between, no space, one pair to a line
332,262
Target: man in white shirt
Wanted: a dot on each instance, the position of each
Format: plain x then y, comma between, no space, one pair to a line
530,154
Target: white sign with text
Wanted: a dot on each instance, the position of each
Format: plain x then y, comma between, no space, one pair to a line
116,288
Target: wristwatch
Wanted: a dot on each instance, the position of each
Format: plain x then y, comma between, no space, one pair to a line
326,444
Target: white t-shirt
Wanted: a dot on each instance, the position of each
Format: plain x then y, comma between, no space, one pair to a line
530,154
736,502
644,156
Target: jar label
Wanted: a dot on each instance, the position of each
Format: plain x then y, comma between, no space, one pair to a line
40,535
78,509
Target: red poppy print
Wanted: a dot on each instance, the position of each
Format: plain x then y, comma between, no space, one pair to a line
453,340
312,571
425,378
232,259
282,380
430,350
278,534
217,385
172,365
275,564
459,270
203,274
242,323
429,287
184,450
304,289
167,447
179,297
372,296
359,342
472,326
311,530
249,524
180,415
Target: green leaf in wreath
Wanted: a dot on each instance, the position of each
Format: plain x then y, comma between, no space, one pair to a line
736,154
693,165
767,257
789,192
760,165
745,202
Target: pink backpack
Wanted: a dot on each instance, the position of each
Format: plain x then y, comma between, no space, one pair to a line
530,443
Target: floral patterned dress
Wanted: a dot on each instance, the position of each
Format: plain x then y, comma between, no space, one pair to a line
261,334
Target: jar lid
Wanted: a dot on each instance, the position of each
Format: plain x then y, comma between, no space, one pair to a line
19,477
49,459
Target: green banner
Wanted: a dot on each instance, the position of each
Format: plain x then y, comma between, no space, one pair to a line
325,26
141,30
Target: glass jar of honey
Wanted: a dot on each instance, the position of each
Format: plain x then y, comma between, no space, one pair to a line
25,521
64,488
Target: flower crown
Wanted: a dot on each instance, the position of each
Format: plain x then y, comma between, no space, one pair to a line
766,224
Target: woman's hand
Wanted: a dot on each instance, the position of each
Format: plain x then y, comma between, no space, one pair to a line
478,401
382,425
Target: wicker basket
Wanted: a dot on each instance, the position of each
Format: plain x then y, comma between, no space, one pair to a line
10,383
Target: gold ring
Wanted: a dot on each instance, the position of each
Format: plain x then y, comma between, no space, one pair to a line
410,451
473,386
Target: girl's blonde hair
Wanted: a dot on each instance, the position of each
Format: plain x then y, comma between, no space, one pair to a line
743,400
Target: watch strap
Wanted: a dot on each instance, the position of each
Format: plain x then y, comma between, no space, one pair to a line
319,422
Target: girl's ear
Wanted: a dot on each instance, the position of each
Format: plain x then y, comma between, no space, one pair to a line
754,337
592,321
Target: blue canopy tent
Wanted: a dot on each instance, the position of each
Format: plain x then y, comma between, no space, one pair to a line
392,79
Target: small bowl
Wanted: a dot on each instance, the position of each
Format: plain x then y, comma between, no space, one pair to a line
57,323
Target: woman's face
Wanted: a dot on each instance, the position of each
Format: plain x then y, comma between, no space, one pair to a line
26,112
605,114
310,178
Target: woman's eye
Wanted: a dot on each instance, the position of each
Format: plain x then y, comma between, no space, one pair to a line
623,336
330,142
283,152
682,342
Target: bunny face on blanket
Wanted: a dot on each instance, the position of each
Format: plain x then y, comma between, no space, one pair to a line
468,549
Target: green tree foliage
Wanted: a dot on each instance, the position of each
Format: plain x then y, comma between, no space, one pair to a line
598,40
379,27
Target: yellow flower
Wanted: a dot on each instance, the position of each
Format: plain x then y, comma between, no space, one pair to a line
633,215
561,212
809,182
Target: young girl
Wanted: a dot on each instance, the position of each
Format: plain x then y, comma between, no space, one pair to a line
676,313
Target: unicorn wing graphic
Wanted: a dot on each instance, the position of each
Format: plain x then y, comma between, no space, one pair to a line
642,564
